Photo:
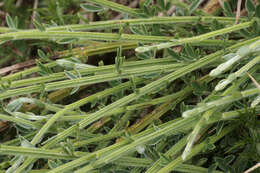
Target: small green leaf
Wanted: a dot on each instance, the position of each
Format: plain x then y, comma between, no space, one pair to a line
42,54
197,88
67,40
227,10
70,75
54,164
16,21
25,143
91,8
43,69
16,104
82,18
136,30
174,54
250,7
179,11
212,168
168,6
59,12
132,79
219,127
194,5
245,33
147,2
10,22
38,17
189,50
43,93
39,26
229,159
74,90
161,4
119,60
144,55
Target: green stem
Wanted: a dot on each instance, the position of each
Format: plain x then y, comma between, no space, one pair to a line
130,147
87,51
195,38
135,22
157,84
172,127
231,77
198,148
216,103
78,81
34,152
94,36
20,121
170,153
128,68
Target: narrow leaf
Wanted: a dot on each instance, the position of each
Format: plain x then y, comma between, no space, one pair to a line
194,5
42,54
91,8
10,22
250,7
227,10
38,25
67,40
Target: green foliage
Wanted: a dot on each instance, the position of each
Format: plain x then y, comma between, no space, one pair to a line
100,86
91,8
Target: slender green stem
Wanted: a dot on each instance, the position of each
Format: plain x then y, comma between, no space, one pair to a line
99,71
17,141
195,38
87,51
34,152
103,49
140,162
225,100
198,148
180,94
234,114
99,36
231,77
98,139
4,29
126,74
20,121
135,22
83,35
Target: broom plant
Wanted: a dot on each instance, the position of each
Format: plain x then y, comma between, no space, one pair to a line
166,86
